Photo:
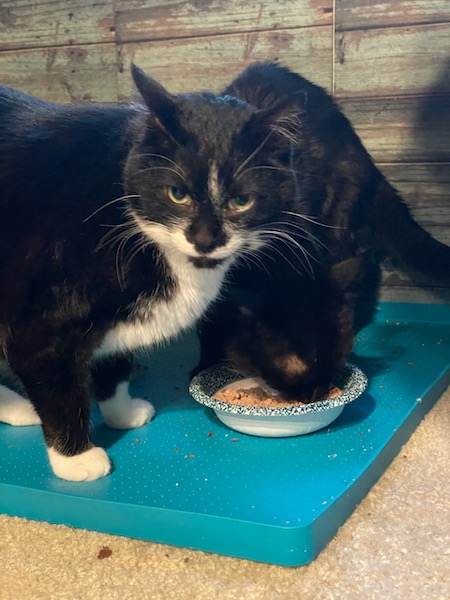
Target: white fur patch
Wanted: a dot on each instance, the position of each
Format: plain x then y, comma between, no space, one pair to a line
15,409
124,412
87,466
213,183
158,320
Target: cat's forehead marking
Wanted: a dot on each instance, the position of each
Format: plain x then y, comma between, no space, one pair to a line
214,190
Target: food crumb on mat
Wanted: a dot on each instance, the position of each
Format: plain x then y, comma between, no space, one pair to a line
105,552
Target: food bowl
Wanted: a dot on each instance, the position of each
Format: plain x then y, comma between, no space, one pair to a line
273,421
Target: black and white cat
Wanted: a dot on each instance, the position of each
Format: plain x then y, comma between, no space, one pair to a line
119,225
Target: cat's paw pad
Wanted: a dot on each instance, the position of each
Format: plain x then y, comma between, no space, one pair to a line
87,466
138,413
15,409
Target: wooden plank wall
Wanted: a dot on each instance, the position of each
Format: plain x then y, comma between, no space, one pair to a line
387,62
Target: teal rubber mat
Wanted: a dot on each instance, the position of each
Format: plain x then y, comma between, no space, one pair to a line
187,480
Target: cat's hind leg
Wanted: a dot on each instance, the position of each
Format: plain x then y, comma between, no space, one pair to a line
15,409
119,410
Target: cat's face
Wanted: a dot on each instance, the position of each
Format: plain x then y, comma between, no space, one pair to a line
209,174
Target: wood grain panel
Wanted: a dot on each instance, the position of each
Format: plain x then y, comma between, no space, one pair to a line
139,20
411,129
27,23
393,61
426,190
63,74
358,14
210,63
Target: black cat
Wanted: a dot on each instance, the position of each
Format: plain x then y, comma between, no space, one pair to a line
290,317
119,225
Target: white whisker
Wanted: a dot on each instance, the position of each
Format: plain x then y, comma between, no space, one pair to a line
251,256
310,219
273,248
178,167
160,168
273,168
249,158
290,243
307,234
115,234
109,204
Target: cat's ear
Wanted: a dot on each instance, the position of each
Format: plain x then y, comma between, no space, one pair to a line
160,103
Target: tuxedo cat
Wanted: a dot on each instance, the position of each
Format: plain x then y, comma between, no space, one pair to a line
290,316
119,225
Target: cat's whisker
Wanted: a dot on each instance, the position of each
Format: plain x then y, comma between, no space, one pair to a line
311,219
307,234
278,251
260,261
121,198
138,241
119,270
161,168
139,246
273,168
251,256
262,168
252,155
283,235
291,243
119,236
292,240
178,167
114,234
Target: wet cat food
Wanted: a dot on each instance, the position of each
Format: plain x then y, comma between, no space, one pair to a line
257,396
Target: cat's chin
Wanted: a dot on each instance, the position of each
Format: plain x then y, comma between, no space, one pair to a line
203,262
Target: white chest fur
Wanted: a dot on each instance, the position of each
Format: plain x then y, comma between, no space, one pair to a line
158,320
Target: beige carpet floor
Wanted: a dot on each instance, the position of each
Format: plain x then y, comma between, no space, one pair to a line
396,545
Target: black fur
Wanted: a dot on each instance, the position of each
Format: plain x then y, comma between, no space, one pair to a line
294,324
82,189
95,236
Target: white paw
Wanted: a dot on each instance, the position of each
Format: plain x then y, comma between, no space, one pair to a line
123,412
15,409
138,413
141,412
87,466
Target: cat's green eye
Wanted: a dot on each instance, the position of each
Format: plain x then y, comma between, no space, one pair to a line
178,195
241,203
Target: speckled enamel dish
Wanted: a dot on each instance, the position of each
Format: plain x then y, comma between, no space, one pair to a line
283,421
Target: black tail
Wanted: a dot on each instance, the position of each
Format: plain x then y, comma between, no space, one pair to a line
405,240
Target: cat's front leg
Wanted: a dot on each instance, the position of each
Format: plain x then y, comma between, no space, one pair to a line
57,384
111,380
